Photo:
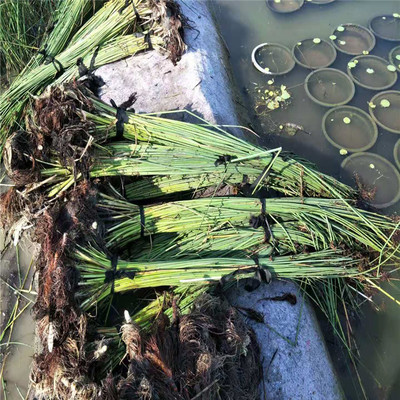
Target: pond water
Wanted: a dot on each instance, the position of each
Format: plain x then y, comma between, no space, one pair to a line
244,24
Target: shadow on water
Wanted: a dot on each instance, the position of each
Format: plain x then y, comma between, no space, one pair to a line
244,25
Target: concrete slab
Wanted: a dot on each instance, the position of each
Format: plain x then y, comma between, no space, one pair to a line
296,363
200,82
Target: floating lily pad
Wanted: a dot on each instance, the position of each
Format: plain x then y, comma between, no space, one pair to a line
351,64
387,110
350,128
385,103
372,72
376,175
314,55
272,59
353,39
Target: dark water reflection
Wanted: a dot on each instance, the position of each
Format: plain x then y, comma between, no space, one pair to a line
244,24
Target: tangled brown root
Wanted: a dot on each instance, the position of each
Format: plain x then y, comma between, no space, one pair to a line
20,152
209,353
62,368
169,24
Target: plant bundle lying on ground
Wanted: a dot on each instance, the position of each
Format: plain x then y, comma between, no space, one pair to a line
101,277
104,30
207,155
326,222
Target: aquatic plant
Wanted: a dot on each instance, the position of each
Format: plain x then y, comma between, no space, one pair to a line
208,154
103,33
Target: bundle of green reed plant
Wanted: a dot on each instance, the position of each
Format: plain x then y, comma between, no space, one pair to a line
103,29
99,278
23,25
208,156
321,223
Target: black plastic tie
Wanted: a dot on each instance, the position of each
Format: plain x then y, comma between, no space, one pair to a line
223,160
142,221
112,274
147,39
48,58
121,115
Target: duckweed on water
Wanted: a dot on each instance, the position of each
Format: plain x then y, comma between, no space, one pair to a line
391,68
385,103
333,37
343,152
271,98
365,52
340,28
342,42
371,104
317,40
346,120
370,71
351,64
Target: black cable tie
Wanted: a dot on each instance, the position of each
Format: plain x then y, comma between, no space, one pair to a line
147,39
142,221
223,160
126,5
262,221
121,115
93,59
112,274
50,59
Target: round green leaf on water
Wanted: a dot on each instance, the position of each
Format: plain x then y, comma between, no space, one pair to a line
317,40
340,28
385,103
346,120
391,68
